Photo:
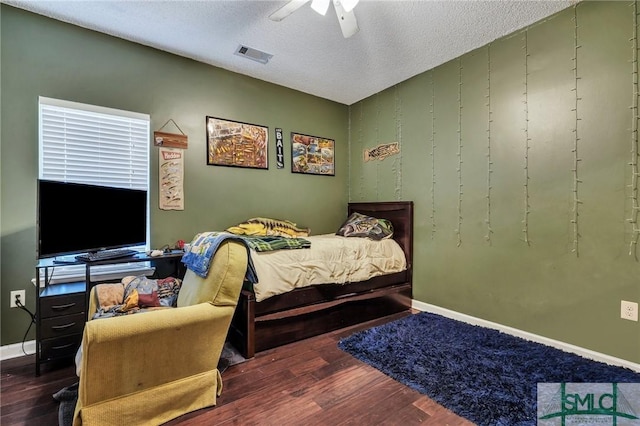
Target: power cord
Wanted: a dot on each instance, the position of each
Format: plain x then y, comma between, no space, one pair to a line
33,320
53,271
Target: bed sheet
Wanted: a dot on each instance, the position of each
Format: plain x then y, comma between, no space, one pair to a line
331,259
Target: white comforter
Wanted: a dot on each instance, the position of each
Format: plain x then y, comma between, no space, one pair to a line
331,259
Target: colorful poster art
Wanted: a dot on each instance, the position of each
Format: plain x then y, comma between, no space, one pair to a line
312,155
171,170
232,143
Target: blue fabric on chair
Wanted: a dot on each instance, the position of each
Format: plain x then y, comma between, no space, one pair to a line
204,247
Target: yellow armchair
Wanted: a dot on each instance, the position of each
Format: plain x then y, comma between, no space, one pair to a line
149,368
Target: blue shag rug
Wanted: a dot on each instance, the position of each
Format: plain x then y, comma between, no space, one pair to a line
481,374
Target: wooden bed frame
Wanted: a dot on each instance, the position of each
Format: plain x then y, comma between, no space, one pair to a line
307,312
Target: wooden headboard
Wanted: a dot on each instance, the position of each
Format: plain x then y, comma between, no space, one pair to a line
400,213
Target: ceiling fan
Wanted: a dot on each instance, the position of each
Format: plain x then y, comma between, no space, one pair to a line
344,11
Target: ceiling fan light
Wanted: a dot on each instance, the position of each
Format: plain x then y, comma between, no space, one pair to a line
348,5
320,6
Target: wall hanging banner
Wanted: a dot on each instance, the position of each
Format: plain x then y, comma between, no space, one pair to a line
381,152
279,149
170,140
170,179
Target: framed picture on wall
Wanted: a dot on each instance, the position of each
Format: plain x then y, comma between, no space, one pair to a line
237,144
312,155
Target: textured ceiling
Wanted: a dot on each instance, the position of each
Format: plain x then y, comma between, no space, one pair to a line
397,39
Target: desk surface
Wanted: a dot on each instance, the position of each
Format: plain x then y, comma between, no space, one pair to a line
140,257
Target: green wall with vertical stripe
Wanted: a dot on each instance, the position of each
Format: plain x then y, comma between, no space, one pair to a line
489,143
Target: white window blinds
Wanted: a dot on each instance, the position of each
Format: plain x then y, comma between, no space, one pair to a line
87,144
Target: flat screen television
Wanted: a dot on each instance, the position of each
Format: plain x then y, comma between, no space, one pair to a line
76,218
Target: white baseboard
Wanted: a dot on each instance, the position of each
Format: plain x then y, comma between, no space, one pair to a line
586,353
15,350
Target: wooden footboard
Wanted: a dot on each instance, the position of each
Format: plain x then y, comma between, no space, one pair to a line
253,332
307,312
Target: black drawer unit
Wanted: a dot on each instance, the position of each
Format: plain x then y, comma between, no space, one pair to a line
60,321
62,325
59,347
66,304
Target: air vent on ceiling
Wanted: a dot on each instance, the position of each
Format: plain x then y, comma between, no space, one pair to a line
253,54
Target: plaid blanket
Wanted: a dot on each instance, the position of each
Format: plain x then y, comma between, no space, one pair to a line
204,247
275,243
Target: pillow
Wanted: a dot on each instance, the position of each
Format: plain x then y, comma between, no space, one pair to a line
360,225
130,302
262,226
168,289
109,295
148,300
135,294
139,292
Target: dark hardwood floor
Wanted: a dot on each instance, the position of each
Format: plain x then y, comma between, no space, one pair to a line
310,382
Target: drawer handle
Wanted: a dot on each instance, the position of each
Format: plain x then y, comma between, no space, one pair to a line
61,307
62,346
62,327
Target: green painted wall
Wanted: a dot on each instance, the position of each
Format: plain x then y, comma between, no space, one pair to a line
43,57
490,242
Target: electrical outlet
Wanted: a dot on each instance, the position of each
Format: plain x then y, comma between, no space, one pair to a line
629,310
17,294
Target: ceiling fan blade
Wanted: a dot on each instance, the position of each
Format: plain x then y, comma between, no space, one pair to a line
348,22
320,6
287,10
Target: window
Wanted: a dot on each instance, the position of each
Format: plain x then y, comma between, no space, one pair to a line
89,144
